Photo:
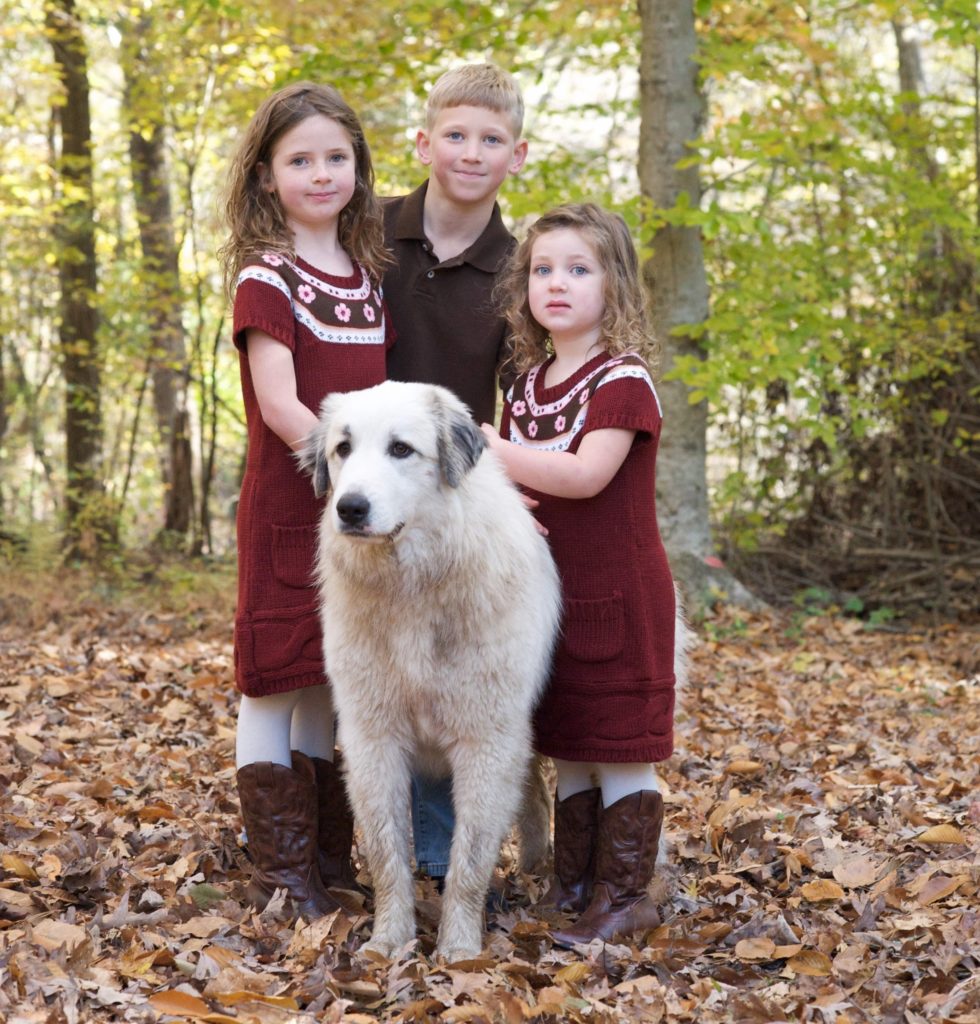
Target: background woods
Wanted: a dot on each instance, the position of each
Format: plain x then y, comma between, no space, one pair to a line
802,179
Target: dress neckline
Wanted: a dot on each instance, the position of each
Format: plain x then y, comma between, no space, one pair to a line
563,386
346,280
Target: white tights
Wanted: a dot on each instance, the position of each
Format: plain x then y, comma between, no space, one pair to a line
615,780
270,727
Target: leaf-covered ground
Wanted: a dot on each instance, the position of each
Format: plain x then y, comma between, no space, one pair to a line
823,807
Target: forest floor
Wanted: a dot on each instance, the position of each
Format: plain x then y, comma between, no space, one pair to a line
823,808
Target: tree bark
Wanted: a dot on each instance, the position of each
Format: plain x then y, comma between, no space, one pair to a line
161,281
89,528
671,115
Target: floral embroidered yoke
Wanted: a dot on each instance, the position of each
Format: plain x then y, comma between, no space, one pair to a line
611,694
336,330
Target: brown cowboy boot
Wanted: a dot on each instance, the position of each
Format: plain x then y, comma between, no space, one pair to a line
629,838
335,829
576,827
280,815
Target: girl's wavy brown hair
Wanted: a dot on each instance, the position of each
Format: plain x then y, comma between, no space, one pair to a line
255,217
624,325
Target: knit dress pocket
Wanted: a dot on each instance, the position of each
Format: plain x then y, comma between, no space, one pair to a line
294,555
595,630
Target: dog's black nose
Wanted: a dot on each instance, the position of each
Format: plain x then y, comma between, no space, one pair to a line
353,509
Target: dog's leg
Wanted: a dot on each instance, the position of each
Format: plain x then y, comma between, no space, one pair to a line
378,784
487,782
534,820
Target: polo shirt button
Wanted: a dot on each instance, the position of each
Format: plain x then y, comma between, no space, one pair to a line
431,273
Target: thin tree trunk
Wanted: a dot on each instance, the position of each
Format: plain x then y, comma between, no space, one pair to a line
88,527
161,276
671,114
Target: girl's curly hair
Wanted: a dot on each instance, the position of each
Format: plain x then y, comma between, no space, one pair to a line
624,324
255,217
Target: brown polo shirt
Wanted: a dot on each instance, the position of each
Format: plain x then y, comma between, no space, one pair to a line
447,330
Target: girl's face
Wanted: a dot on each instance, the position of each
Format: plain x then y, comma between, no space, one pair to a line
313,171
566,286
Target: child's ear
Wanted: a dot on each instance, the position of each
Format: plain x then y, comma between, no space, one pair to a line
520,155
422,147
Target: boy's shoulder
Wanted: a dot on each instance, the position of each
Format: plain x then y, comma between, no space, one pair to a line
403,214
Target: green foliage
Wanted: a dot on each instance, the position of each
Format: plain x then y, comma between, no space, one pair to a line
841,242
838,217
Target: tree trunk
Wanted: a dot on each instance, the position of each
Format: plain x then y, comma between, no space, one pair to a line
89,527
671,114
162,293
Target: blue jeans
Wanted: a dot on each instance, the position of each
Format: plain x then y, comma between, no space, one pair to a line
433,819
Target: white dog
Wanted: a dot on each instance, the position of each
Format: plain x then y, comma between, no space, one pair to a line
440,604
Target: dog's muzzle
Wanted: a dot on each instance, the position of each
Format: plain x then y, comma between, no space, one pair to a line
354,512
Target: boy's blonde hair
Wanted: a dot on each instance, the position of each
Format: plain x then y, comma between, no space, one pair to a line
624,324
255,217
477,85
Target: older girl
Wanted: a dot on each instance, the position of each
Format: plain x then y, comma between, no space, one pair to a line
305,257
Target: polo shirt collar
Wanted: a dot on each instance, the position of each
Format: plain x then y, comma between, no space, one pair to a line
484,254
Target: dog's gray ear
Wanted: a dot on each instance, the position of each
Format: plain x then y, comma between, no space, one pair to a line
460,441
312,456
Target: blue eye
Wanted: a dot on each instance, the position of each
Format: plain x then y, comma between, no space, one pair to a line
578,271
541,271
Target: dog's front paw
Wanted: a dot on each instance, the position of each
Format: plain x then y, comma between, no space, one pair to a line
459,942
387,946
452,953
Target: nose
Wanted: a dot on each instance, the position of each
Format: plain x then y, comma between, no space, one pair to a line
353,509
321,171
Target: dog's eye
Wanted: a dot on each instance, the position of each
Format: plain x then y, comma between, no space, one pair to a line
400,450
342,450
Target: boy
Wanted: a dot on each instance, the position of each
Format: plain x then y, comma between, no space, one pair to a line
449,241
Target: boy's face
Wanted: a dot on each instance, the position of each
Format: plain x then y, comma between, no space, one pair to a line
470,151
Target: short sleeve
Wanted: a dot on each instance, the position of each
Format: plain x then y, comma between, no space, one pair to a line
263,301
625,398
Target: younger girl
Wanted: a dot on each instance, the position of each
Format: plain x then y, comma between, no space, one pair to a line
582,426
304,259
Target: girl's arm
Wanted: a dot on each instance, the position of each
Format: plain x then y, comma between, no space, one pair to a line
274,380
581,474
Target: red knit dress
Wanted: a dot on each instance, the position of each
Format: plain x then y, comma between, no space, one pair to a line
335,328
611,694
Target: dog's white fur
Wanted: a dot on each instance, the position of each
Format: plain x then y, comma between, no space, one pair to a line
440,604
